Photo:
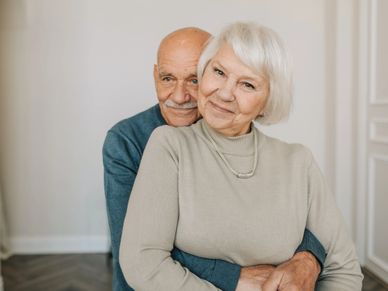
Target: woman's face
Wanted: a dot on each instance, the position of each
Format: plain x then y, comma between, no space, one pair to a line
231,94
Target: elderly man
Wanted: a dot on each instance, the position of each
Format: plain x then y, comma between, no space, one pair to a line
176,88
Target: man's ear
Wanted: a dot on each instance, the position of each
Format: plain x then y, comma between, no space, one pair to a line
156,73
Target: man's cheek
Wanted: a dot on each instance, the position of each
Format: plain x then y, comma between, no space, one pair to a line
163,94
194,93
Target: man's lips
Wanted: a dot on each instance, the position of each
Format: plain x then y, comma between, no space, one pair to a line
182,111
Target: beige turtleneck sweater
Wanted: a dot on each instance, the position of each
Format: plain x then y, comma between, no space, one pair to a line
185,195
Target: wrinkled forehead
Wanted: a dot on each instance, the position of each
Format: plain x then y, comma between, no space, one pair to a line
178,62
181,71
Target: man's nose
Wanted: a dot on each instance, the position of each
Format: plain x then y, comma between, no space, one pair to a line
180,94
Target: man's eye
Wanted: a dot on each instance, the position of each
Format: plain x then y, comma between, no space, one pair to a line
194,81
218,71
166,79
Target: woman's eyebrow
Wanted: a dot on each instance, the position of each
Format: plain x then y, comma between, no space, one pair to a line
248,77
218,64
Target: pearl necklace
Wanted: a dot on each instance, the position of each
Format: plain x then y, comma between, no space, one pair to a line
222,156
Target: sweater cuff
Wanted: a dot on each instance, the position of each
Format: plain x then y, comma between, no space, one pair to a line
311,244
226,275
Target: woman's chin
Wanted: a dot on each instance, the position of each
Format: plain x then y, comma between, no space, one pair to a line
216,123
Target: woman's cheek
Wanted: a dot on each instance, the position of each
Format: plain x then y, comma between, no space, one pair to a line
208,84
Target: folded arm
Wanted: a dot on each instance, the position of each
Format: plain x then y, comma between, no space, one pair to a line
121,157
151,222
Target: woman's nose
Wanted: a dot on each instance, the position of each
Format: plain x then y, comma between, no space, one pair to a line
226,91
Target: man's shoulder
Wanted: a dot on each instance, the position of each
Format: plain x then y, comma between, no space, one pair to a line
140,124
132,134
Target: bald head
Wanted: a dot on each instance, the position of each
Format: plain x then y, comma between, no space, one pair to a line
191,38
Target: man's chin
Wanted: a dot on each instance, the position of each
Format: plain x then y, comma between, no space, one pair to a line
182,121
181,117
177,122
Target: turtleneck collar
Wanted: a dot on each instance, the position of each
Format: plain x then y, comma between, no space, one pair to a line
242,145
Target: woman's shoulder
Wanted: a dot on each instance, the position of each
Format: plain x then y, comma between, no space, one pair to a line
171,131
170,134
162,133
285,149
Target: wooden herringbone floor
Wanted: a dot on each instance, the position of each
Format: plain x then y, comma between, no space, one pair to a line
80,272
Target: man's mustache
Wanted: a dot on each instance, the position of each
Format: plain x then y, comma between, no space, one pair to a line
188,105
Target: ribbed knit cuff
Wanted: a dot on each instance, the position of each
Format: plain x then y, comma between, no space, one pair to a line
311,244
226,275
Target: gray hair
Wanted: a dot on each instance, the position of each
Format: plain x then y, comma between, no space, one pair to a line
261,49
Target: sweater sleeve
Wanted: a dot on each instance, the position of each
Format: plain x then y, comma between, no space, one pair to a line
311,244
222,274
341,268
151,222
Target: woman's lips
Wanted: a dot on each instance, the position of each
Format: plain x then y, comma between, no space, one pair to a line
220,108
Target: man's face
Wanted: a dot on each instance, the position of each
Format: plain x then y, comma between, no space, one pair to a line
177,85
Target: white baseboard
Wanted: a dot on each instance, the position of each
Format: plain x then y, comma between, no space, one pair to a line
59,245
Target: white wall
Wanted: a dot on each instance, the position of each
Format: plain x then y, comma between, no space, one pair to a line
71,69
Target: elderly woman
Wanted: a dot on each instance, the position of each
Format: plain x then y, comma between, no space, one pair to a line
265,191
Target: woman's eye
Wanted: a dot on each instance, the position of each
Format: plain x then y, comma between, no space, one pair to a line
248,85
218,71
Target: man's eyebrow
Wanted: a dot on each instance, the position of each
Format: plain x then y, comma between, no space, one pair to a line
163,73
166,74
192,76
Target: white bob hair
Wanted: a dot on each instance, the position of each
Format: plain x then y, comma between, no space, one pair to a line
261,49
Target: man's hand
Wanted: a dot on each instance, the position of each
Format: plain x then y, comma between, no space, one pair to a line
298,274
253,278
